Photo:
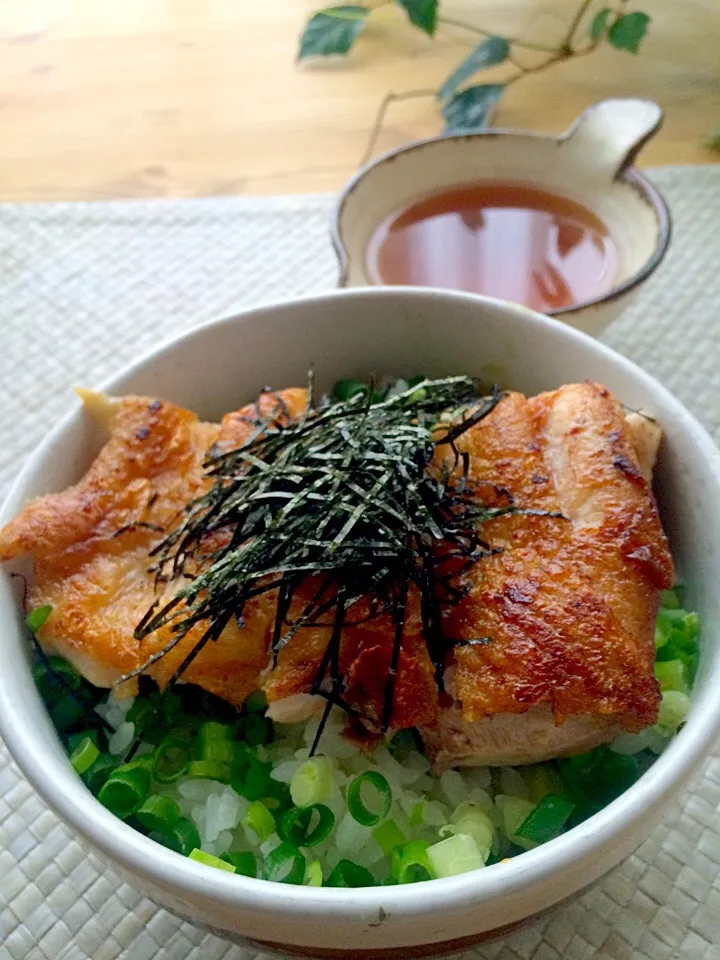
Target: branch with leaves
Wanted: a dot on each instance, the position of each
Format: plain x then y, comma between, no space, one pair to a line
465,107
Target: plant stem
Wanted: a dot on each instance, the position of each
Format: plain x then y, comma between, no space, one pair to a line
575,23
565,50
462,25
389,99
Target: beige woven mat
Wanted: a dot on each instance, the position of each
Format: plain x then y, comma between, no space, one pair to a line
83,289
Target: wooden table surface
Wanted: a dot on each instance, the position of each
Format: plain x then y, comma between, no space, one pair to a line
141,98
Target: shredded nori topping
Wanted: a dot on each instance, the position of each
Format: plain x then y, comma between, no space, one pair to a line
350,495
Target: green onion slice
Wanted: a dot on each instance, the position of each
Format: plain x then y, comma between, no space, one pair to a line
199,856
209,770
349,874
84,755
547,820
311,782
284,864
158,813
313,874
457,854
249,776
256,730
124,791
306,826
182,836
388,836
99,772
245,863
382,797
37,617
410,863
259,819
171,759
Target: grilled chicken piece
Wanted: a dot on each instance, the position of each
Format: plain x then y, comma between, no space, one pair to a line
364,660
569,605
90,545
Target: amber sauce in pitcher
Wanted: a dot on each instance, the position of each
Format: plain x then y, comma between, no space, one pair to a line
508,240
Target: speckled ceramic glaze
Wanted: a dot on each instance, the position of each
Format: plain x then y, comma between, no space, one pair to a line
398,331
591,164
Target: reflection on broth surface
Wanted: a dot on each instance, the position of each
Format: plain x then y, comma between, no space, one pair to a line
511,241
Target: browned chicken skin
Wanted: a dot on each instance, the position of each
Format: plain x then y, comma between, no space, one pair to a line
569,604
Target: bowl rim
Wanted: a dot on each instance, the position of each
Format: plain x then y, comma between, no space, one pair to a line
142,857
627,174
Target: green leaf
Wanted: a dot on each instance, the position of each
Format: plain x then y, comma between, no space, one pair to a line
472,108
713,142
489,53
332,31
627,32
599,24
37,617
423,13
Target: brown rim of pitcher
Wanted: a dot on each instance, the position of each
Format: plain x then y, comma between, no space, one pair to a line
627,173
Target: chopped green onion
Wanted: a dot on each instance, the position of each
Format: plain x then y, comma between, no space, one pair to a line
84,755
388,836
410,863
347,389
208,860
125,790
212,732
313,874
250,777
158,813
209,770
182,836
171,708
144,710
402,745
457,854
541,779
259,819
382,798
472,819
284,864
296,825
547,820
515,811
256,702
245,863
669,600
67,712
672,675
256,730
171,759
37,617
416,814
673,711
349,874
311,782
99,772
218,751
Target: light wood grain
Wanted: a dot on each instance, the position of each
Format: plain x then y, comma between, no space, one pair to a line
140,98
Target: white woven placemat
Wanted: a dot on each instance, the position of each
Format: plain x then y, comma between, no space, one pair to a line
83,289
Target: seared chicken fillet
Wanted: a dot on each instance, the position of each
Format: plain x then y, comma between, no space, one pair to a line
569,605
90,549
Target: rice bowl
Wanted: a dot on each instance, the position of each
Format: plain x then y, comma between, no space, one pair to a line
540,369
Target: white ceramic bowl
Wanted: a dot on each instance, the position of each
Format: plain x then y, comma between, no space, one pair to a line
398,331
591,163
